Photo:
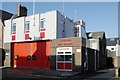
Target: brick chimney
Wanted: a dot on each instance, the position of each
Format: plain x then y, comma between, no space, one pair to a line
22,10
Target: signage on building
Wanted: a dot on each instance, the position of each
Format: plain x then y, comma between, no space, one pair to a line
78,50
65,42
62,49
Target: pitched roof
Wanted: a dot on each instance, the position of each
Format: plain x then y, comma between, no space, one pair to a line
4,15
112,41
96,35
14,16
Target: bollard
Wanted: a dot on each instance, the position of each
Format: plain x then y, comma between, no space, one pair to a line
116,73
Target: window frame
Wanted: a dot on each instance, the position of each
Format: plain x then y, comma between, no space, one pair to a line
27,28
13,27
64,54
43,23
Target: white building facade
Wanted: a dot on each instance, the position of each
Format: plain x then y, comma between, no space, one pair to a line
112,47
49,25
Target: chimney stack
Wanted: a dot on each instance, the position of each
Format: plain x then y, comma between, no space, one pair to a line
22,10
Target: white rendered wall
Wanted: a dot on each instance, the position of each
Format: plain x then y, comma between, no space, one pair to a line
87,43
50,24
60,22
69,26
19,28
110,48
83,32
94,44
53,26
117,50
34,25
7,31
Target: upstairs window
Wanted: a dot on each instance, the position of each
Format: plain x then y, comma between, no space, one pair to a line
42,23
27,26
14,27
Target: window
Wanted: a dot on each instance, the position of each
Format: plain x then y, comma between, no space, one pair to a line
60,52
68,58
42,23
64,57
14,27
27,26
60,58
67,52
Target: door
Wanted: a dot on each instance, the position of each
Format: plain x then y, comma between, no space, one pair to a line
64,59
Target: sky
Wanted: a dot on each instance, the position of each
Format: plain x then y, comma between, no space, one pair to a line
98,16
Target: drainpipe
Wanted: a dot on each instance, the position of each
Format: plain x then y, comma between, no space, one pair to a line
98,60
2,34
95,59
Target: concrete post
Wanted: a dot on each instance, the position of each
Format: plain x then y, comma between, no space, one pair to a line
116,73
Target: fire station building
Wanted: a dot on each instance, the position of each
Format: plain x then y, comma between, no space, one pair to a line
49,40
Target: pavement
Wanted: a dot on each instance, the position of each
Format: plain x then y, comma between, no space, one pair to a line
10,73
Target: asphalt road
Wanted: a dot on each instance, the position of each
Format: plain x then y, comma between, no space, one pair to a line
107,74
15,74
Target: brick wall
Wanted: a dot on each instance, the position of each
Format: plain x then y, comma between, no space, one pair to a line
75,43
116,61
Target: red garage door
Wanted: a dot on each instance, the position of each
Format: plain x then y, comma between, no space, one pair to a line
31,54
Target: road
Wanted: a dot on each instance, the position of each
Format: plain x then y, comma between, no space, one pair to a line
107,74
14,74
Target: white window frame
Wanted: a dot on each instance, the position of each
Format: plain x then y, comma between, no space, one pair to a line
26,25
13,26
42,20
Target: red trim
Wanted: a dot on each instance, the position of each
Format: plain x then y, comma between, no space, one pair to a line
42,34
42,29
27,31
13,37
26,36
13,32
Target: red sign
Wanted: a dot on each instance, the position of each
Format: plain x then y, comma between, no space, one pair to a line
64,49
42,29
65,42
